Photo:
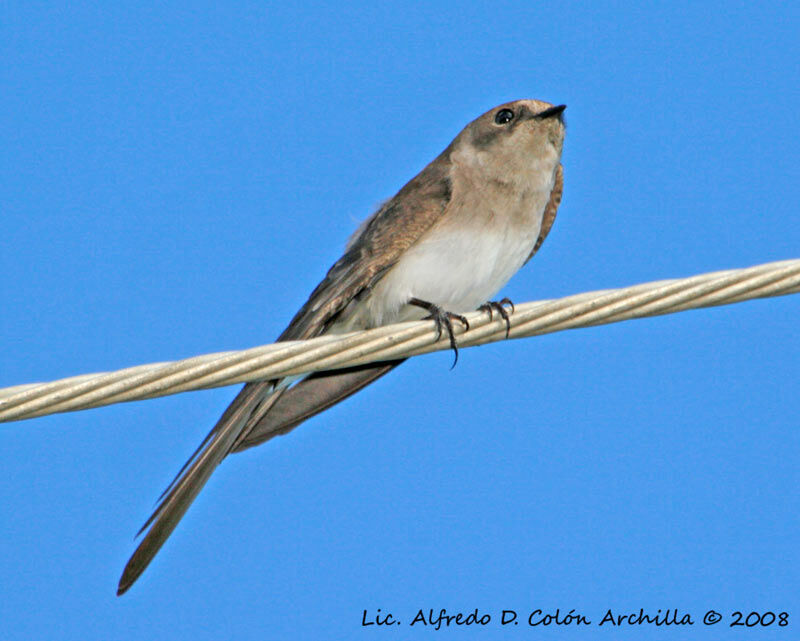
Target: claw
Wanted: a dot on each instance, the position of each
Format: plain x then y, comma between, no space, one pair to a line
492,306
442,318
507,301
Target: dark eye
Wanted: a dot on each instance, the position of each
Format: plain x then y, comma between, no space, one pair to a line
503,116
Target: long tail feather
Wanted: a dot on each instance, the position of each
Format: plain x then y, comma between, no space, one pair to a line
259,412
310,396
186,487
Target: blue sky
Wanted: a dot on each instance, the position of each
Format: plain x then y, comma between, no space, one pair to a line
175,181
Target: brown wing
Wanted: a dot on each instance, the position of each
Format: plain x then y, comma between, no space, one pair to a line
319,391
396,226
309,397
550,211
387,234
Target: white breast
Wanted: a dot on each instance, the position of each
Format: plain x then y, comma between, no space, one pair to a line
482,239
457,269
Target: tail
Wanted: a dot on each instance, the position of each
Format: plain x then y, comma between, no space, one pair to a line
309,397
193,476
260,411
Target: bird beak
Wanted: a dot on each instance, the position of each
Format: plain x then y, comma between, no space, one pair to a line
552,112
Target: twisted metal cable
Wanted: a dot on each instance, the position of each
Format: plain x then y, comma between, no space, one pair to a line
277,360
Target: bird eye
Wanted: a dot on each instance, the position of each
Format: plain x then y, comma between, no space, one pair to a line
504,116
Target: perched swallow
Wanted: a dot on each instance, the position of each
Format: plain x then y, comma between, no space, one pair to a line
444,245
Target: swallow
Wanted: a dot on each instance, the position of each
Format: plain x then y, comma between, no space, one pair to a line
444,245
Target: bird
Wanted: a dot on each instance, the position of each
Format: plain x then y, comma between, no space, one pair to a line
444,245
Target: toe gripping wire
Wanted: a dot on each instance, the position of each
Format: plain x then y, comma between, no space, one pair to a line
444,319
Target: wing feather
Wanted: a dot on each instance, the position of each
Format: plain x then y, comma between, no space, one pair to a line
550,210
396,226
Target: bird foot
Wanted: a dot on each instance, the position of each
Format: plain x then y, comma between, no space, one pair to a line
443,320
499,307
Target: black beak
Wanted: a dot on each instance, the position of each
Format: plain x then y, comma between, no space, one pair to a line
552,112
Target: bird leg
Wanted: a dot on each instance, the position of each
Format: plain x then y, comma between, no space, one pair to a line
499,307
442,318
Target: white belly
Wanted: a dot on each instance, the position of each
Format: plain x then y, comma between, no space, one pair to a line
482,239
456,268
